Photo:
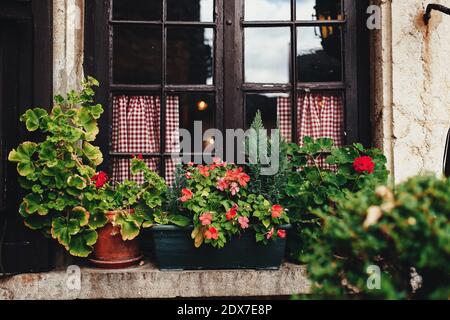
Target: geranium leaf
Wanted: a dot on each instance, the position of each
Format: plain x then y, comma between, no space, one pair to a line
180,221
129,229
81,215
92,153
81,244
63,229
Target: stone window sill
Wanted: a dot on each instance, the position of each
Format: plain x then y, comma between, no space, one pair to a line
147,282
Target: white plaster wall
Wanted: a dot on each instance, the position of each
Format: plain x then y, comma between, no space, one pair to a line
411,82
68,18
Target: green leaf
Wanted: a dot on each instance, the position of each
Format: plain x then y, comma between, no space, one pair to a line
180,220
81,245
129,229
96,111
36,222
77,181
63,230
92,153
32,118
81,215
30,204
25,168
97,219
24,152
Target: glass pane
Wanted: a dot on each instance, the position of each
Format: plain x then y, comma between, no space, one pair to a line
195,107
267,63
190,52
190,10
321,115
149,10
319,56
319,10
275,110
137,54
260,10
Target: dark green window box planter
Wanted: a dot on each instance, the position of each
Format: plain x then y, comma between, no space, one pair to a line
173,248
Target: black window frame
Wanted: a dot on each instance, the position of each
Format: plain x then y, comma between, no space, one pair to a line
228,86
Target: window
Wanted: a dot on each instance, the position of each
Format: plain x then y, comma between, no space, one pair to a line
164,64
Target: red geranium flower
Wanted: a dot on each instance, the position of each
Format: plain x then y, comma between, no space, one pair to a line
186,195
234,188
206,219
238,175
204,171
211,233
243,179
281,234
364,164
222,184
232,213
139,156
277,211
100,179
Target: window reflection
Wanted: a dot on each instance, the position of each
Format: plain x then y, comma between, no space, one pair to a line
190,55
260,10
319,10
319,54
190,10
267,55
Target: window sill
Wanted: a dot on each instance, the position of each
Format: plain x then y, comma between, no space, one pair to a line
148,282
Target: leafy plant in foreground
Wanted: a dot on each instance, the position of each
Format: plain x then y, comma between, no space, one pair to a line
57,171
406,234
322,175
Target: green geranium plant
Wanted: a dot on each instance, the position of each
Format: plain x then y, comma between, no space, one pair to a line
57,171
135,205
320,175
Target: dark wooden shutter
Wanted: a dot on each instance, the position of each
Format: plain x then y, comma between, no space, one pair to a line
25,81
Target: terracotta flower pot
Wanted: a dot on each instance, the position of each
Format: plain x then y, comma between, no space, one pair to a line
111,251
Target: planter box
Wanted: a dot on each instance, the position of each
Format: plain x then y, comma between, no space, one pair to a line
173,248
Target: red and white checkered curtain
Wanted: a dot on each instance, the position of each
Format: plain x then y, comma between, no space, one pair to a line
284,113
136,129
321,115
172,136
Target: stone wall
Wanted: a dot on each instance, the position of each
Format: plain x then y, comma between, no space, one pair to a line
68,16
411,81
